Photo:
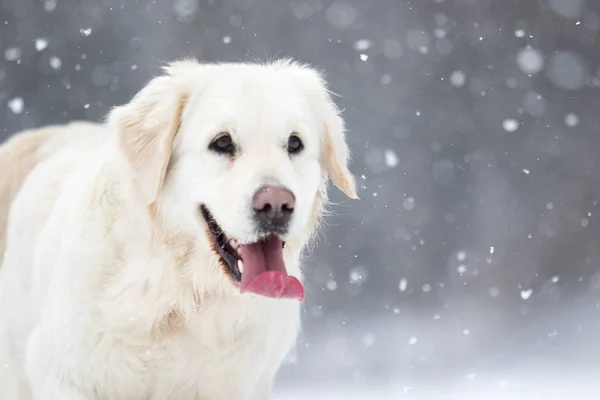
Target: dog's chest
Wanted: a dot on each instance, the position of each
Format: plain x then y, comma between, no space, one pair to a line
222,353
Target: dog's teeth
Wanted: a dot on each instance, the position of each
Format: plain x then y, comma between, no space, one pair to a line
240,266
233,243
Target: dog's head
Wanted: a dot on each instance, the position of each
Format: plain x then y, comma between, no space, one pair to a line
239,154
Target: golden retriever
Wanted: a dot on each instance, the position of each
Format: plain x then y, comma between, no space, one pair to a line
157,256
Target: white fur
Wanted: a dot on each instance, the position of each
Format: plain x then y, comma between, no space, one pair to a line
109,288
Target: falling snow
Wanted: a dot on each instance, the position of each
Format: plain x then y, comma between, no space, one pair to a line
358,275
16,105
41,44
403,284
362,44
55,62
391,159
534,104
458,78
566,70
525,294
473,134
386,79
571,120
530,60
12,53
510,125
185,9
331,285
341,14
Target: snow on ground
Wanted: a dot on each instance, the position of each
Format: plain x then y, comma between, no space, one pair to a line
515,385
472,355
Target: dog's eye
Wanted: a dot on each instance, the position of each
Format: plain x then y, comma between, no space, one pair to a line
222,144
295,145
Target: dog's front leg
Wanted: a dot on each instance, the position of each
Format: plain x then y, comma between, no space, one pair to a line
69,364
48,376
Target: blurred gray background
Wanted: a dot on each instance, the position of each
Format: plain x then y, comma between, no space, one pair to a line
471,266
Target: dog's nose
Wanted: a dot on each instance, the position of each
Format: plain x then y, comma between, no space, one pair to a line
273,207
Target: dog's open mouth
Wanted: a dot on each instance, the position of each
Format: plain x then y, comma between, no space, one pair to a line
257,267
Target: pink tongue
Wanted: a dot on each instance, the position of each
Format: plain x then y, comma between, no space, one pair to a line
264,271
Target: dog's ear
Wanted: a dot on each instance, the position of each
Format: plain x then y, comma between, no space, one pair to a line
147,126
335,154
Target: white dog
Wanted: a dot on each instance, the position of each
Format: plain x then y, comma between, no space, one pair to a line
157,256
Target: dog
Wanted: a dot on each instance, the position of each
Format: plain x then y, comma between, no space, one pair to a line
157,255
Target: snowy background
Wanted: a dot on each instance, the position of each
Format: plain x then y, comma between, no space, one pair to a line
471,267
